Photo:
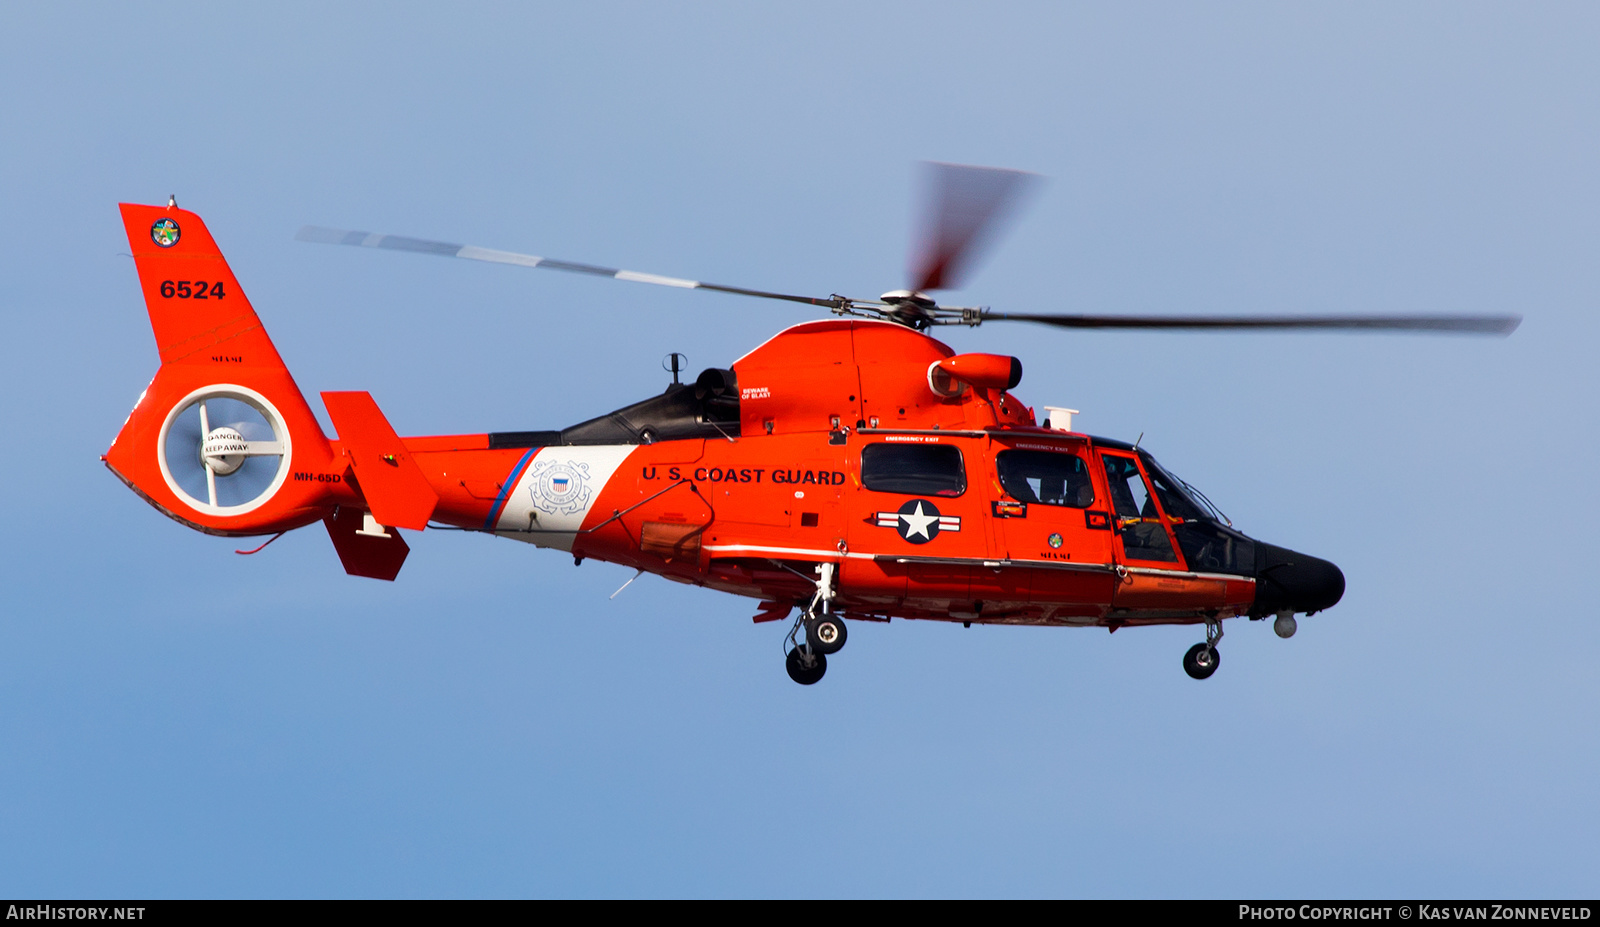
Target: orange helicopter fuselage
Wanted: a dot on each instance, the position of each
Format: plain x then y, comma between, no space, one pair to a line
781,489
858,465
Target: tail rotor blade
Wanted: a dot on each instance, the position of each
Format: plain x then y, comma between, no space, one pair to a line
211,475
965,207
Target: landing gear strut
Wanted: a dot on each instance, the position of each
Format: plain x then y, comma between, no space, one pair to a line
1203,659
825,633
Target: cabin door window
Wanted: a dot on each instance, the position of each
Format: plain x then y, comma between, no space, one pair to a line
1141,527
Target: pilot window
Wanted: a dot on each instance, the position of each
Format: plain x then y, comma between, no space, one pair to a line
913,469
1206,545
1143,535
1172,499
1045,478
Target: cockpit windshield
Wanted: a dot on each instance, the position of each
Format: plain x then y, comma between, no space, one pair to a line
1205,535
1179,498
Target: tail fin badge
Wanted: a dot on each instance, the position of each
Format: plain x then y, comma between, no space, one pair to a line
164,232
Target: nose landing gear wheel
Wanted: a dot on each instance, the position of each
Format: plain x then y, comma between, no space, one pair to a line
805,669
1201,661
826,634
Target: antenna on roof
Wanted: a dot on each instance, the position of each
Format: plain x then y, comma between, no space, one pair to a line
674,362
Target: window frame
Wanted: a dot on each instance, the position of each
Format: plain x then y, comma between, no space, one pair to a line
1120,522
1083,461
961,466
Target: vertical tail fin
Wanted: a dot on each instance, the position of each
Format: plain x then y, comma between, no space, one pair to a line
222,439
198,311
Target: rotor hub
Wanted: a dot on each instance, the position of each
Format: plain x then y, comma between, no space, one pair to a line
224,450
909,307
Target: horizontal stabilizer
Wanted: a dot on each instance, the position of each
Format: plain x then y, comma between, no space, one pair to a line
364,547
389,479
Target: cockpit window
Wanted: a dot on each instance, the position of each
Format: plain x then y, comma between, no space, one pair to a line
1188,502
1169,491
1045,478
913,469
1144,537
1207,544
1128,495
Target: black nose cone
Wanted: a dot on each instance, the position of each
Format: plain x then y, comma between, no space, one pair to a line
1287,579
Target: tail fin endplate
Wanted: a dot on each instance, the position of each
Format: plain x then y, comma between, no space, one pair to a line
390,481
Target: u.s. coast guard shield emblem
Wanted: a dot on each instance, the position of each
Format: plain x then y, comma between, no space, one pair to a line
559,487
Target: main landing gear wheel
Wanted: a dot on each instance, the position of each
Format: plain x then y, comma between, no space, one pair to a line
1201,661
805,668
827,634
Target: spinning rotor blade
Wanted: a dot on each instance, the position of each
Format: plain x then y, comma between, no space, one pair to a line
1453,324
211,475
326,236
965,206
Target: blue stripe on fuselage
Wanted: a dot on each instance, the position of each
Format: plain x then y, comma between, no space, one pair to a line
505,491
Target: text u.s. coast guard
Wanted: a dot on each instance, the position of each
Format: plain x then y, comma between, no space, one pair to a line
748,475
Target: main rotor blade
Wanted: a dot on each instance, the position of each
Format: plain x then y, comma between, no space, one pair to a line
326,236
1454,324
965,206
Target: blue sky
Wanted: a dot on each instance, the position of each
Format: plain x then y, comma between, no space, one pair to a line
176,720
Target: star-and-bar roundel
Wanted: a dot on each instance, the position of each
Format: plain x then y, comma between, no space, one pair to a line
919,521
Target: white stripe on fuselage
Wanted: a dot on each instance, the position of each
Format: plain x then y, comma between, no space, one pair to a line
557,491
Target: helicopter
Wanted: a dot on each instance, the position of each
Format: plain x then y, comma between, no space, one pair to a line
849,469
